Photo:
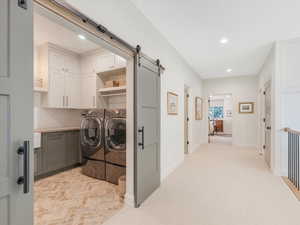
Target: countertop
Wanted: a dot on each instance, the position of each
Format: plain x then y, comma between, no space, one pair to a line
55,129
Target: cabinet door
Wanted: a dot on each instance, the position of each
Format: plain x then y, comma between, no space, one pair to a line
55,151
56,60
38,162
88,92
72,91
105,62
56,90
73,148
71,64
120,62
35,161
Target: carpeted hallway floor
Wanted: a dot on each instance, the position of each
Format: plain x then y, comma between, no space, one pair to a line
217,185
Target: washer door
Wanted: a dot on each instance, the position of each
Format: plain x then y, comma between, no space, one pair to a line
91,134
116,134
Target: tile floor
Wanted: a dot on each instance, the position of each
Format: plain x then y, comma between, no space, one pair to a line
71,198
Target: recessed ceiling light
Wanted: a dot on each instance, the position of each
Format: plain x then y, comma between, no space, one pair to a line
224,40
80,36
229,70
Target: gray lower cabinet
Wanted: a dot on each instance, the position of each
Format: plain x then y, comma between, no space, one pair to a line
55,151
38,169
73,148
60,150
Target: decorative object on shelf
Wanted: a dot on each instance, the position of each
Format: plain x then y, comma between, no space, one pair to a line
172,103
246,107
198,108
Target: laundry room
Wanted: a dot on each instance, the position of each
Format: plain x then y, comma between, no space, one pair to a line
80,116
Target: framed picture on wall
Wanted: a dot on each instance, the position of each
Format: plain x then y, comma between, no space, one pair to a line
198,108
246,107
172,103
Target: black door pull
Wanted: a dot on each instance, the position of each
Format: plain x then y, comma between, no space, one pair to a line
24,180
142,143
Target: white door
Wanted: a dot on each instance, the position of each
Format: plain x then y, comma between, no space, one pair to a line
267,147
16,112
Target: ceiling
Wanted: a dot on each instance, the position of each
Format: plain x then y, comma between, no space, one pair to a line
195,27
45,30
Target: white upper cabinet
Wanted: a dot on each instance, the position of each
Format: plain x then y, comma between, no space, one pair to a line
71,79
73,91
100,62
88,90
56,90
61,71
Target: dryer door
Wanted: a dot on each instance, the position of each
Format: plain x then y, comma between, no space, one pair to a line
116,134
91,134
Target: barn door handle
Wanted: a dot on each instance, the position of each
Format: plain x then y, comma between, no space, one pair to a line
268,128
143,138
24,180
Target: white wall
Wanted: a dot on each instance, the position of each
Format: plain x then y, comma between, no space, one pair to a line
243,89
282,68
267,75
54,118
126,21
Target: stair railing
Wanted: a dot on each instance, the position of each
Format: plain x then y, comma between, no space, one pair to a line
293,157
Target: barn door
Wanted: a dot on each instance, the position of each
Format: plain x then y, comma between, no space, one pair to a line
16,112
147,154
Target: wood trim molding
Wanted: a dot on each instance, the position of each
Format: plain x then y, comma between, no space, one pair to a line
292,187
76,20
289,130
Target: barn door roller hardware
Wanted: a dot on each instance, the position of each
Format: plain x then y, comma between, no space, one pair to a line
138,50
22,4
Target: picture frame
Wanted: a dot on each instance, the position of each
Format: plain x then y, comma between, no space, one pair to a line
172,103
198,108
246,107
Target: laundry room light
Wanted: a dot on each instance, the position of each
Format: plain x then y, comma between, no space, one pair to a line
229,70
224,40
80,36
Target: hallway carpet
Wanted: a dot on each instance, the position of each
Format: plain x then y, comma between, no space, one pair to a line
71,198
217,185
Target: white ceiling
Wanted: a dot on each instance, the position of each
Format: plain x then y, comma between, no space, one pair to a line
46,30
194,28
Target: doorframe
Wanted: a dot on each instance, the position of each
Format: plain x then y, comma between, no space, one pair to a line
187,120
209,99
267,84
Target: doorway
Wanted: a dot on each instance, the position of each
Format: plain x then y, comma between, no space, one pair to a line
220,109
80,124
186,119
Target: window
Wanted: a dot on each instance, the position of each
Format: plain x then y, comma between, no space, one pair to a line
216,112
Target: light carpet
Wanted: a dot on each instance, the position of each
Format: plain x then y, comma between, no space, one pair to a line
217,185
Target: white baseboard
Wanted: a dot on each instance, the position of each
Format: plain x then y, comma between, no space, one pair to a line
129,199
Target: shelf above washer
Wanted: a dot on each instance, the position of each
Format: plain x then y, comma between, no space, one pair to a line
112,91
